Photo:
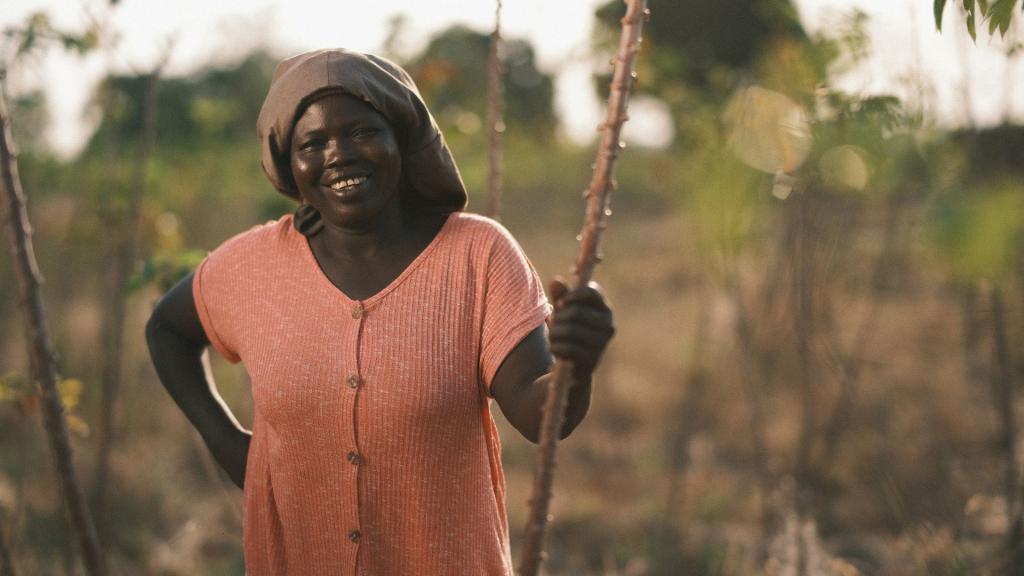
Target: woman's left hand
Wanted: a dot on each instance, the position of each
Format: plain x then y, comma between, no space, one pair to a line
581,326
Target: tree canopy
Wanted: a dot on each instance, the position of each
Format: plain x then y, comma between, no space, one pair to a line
705,45
451,73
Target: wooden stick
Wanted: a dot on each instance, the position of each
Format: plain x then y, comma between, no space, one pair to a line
42,361
495,117
597,211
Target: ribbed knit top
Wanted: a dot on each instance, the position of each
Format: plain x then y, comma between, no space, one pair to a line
373,451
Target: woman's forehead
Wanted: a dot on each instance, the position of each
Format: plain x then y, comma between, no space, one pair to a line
337,108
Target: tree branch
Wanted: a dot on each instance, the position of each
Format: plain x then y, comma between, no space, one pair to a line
41,357
495,117
597,211
124,249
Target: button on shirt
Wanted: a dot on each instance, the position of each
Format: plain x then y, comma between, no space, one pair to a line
354,399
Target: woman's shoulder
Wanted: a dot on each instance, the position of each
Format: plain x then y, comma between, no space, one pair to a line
479,229
261,240
484,240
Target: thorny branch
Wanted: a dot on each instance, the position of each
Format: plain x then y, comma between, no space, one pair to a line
42,360
596,213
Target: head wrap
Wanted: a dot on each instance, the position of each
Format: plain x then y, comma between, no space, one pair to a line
427,164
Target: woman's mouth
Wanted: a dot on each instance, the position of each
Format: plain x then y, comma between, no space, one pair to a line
342,187
345,184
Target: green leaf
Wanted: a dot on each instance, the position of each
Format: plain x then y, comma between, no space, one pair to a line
999,16
970,26
983,6
939,7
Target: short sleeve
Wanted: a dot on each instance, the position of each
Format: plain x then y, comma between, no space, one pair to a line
514,304
212,285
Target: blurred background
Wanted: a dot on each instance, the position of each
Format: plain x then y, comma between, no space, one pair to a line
815,259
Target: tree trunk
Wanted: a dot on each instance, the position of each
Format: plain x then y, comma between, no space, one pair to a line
124,249
43,365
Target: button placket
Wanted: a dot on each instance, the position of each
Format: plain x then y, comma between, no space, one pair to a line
354,383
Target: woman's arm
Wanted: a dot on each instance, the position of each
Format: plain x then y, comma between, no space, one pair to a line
176,342
581,327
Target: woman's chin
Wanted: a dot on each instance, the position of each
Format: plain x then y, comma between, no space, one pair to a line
353,217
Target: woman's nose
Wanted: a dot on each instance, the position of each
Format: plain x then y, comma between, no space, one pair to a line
335,153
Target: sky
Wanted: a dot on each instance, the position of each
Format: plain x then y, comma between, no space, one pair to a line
199,32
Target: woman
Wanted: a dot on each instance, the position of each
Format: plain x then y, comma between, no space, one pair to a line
376,324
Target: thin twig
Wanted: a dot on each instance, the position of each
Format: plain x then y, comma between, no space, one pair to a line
597,211
803,316
41,355
495,117
849,362
756,375
6,559
687,421
125,247
1005,398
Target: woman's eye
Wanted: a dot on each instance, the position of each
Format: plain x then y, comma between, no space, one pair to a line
311,144
365,132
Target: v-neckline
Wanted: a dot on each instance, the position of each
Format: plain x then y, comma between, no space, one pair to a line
370,301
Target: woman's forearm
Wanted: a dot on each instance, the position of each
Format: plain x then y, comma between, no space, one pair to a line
521,385
179,365
529,413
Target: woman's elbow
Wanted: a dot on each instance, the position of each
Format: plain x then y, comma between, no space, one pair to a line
163,336
157,329
153,327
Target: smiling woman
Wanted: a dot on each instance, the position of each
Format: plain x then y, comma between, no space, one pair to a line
377,323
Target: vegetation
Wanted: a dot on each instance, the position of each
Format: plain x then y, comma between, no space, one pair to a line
817,295
999,14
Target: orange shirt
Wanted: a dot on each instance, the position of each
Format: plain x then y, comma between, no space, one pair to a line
374,451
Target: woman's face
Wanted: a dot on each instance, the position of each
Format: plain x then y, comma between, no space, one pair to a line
346,161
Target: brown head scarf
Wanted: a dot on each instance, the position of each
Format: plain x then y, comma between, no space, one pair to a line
427,164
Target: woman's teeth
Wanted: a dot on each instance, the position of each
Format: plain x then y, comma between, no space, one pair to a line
343,184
